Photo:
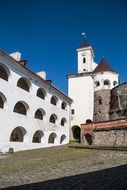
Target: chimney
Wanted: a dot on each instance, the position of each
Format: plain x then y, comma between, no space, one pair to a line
23,62
42,74
16,56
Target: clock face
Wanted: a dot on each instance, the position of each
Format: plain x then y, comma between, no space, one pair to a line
83,53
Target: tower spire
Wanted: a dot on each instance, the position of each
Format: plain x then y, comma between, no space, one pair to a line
84,35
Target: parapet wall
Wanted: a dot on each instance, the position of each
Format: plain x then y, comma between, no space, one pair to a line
108,133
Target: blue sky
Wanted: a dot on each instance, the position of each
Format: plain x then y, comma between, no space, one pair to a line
47,33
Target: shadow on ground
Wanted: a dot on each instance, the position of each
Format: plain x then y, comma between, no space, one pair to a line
106,179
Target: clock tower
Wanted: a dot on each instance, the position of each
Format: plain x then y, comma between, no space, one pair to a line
85,58
81,89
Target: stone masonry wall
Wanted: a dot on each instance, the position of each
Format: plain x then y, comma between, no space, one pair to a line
118,106
110,138
110,133
101,105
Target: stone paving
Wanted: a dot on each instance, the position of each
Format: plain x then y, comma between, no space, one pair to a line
68,169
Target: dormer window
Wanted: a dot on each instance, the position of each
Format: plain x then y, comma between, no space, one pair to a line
84,60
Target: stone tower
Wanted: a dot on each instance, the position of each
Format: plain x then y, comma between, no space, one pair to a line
105,78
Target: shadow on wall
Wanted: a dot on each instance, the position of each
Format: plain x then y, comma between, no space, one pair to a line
106,179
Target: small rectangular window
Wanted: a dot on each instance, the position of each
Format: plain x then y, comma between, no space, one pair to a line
72,111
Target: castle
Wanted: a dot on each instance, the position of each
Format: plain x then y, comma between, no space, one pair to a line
99,108
35,114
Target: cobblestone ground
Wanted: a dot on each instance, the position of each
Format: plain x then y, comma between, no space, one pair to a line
63,168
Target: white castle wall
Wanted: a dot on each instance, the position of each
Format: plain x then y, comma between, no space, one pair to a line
9,120
80,89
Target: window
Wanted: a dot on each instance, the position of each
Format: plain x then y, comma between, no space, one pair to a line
62,139
99,100
72,111
3,73
18,134
22,83
20,108
38,115
37,136
41,93
106,82
63,105
89,121
97,83
2,100
54,100
53,118
84,60
1,103
52,138
63,121
114,83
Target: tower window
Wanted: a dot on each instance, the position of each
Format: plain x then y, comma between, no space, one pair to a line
100,101
72,111
106,82
97,83
84,60
114,83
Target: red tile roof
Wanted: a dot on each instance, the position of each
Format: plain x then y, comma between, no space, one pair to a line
103,66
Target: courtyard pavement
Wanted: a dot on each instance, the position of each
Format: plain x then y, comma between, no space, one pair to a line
63,168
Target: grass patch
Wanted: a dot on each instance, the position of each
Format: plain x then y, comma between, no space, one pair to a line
40,158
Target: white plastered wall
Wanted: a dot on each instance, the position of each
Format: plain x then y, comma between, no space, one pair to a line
80,89
106,75
10,120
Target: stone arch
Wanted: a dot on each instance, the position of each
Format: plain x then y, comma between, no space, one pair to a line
63,121
62,139
2,100
89,138
54,100
89,121
21,107
39,114
18,134
41,93
76,132
53,118
52,138
4,72
37,137
24,84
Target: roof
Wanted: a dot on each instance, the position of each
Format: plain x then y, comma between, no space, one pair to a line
35,75
84,44
103,66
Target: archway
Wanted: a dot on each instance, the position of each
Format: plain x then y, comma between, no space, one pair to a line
21,108
89,138
18,134
24,84
62,139
4,72
37,136
76,132
52,137
41,93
